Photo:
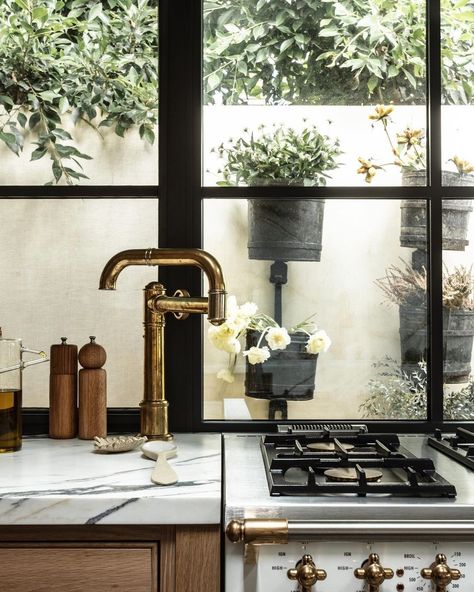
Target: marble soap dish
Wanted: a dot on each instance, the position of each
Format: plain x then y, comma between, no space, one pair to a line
112,444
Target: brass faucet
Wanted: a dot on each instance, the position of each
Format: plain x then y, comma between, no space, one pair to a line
154,406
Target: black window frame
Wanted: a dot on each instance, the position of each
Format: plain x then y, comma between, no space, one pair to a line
181,196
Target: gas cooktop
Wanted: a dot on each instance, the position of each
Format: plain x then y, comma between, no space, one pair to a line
347,460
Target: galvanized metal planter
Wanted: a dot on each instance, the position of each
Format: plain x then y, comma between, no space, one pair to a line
456,213
285,230
458,334
288,374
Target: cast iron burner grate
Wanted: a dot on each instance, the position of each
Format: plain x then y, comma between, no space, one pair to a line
293,468
459,446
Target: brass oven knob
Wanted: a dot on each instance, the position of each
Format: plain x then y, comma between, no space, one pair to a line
373,573
440,573
306,573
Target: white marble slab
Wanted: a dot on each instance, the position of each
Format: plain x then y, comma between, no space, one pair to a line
65,482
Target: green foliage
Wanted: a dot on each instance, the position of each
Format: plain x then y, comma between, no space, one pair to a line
394,394
94,60
332,51
381,43
279,155
263,48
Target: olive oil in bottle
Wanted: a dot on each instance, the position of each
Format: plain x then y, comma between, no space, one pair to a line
10,420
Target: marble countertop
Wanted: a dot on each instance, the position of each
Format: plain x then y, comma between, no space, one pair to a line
65,482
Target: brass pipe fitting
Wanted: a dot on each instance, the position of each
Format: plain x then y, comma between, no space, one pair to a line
154,406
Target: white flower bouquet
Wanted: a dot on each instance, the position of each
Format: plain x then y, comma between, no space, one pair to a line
244,318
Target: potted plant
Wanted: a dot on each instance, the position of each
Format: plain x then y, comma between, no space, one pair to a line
288,229
395,394
280,364
409,153
92,63
406,287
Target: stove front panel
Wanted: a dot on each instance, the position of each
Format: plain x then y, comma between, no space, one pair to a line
265,567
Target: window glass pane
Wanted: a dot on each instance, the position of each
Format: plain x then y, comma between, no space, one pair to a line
53,252
458,308
79,92
291,89
457,46
354,268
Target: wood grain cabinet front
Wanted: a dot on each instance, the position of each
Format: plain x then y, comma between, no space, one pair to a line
107,568
181,558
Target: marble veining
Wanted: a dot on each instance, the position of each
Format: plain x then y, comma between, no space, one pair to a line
66,482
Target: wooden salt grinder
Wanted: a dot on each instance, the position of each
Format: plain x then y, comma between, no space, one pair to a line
92,391
63,391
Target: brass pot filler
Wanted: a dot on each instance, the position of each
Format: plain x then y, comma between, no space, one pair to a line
154,406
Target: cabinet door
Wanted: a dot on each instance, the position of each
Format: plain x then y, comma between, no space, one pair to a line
102,568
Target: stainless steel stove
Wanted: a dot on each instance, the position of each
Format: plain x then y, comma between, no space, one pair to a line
408,528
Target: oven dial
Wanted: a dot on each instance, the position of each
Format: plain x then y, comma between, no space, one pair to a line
306,573
440,573
373,573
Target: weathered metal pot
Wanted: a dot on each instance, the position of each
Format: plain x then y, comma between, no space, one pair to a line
288,374
456,213
285,230
458,334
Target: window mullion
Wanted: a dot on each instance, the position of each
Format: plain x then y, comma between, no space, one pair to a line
434,194
179,210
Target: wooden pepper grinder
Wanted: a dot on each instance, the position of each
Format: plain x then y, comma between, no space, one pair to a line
92,391
63,390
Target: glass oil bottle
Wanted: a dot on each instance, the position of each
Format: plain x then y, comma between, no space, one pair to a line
11,367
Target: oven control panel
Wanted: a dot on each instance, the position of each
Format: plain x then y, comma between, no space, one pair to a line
378,566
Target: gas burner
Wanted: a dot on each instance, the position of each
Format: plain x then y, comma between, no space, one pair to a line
352,474
338,461
459,446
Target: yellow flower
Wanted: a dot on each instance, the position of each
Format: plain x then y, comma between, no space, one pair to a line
410,136
463,166
368,169
381,112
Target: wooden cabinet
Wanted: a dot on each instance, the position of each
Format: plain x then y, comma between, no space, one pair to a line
110,559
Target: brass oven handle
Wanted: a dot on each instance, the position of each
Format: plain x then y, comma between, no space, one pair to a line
306,573
253,530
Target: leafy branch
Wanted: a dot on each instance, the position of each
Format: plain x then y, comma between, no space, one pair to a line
93,62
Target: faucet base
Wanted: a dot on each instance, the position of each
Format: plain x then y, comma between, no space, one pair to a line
165,437
154,420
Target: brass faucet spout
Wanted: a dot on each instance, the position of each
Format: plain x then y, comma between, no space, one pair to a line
179,257
196,257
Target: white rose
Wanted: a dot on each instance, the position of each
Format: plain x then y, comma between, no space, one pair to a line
248,309
221,335
318,342
226,375
257,355
277,338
